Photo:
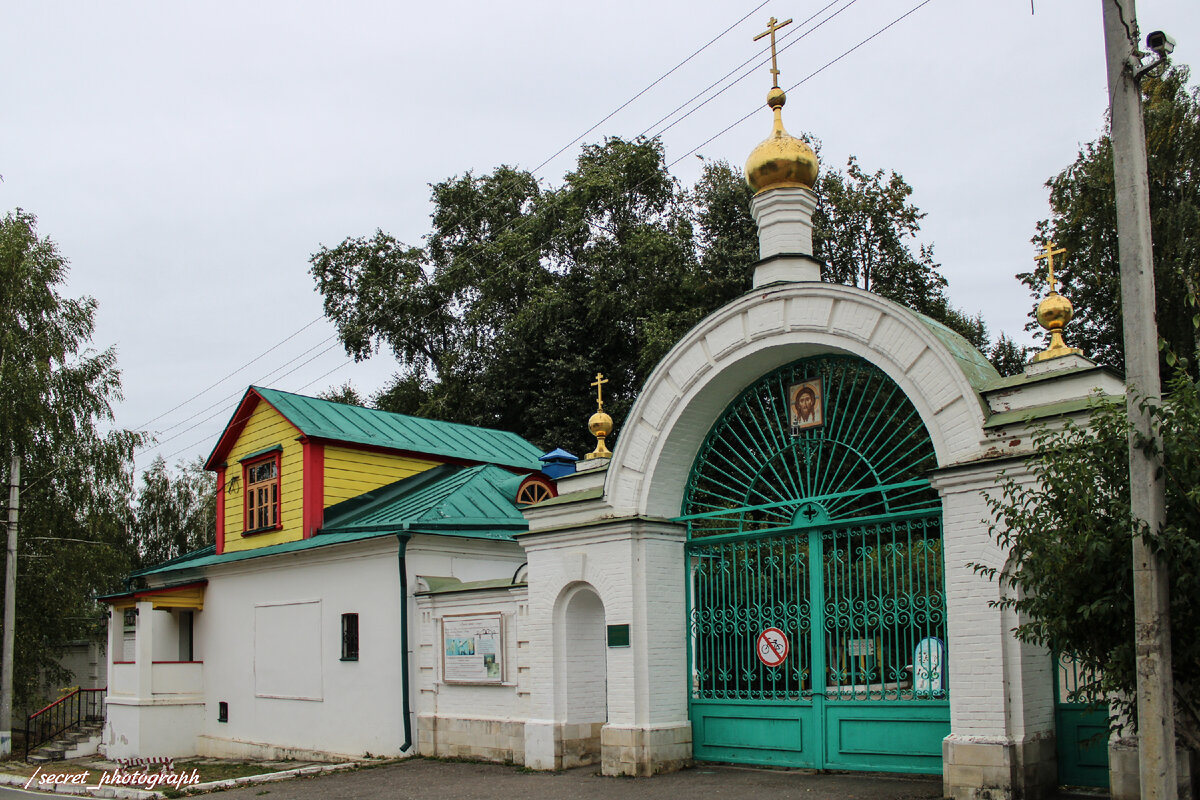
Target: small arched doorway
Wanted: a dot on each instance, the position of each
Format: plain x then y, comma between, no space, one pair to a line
817,591
582,663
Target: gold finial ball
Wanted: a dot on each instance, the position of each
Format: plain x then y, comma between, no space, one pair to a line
781,160
1054,312
600,424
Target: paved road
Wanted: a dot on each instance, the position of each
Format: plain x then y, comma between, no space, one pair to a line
419,779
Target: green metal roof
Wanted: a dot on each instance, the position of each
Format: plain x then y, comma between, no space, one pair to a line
476,502
448,500
324,419
980,372
440,585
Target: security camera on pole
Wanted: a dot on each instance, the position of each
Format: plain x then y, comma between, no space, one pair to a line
1152,624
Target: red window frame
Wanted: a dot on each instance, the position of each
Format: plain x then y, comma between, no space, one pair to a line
276,518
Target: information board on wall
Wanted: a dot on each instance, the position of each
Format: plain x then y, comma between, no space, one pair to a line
473,648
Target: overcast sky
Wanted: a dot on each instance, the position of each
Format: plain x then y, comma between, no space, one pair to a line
188,158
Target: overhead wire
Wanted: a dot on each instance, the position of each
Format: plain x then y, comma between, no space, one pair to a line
583,223
558,152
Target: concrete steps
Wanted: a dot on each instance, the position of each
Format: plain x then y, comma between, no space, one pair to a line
81,741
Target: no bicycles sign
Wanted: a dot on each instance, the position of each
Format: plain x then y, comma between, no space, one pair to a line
772,647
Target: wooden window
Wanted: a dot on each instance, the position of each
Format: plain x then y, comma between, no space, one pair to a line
534,491
349,637
262,494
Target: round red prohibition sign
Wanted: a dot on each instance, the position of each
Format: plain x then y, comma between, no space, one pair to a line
772,647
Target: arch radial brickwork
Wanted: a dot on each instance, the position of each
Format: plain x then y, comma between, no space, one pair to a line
768,328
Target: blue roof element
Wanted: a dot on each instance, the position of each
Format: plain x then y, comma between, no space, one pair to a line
557,463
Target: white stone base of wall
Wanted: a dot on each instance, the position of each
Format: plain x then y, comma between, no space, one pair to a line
976,768
484,739
1124,776
218,747
136,728
642,751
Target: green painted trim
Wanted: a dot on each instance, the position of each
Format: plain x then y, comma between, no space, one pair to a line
277,448
917,484
1021,379
572,497
601,522
1059,409
471,586
828,525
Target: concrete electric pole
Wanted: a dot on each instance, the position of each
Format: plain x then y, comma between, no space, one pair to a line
1152,624
10,610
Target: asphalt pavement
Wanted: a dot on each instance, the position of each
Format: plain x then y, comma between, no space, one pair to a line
422,779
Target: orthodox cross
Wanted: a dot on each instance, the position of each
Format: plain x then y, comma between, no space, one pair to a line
771,28
1049,255
599,384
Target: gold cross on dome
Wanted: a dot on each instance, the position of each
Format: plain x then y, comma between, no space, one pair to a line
1049,255
599,384
771,28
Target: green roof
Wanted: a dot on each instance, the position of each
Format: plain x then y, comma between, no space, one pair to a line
980,372
477,502
448,500
325,419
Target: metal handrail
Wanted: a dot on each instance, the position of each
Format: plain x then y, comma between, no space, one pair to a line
65,713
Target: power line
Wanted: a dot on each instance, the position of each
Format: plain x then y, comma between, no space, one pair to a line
583,223
805,79
654,83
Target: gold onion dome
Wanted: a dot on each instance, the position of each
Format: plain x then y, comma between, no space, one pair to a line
600,424
781,160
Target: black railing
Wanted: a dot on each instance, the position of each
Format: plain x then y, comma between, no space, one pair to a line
70,711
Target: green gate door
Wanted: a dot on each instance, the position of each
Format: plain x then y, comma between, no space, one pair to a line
808,513
1081,727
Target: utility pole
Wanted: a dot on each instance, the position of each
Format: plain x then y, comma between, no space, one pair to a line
1152,622
10,609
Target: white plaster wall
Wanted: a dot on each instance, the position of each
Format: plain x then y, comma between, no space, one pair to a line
583,657
165,646
508,701
637,570
359,709
1001,689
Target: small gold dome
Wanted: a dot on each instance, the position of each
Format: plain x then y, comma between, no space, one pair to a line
781,160
1054,312
600,423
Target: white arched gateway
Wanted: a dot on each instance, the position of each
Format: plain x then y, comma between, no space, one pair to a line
783,539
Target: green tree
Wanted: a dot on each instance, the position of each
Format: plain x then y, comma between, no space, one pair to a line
1070,570
56,396
1083,220
175,513
523,291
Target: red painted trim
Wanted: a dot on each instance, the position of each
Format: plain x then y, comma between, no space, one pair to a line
277,457
220,510
170,662
124,662
233,428
314,485
170,590
237,423
415,454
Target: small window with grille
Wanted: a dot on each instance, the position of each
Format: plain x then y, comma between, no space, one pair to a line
262,494
349,637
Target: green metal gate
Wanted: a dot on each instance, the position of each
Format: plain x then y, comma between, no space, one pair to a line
811,526
1080,725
